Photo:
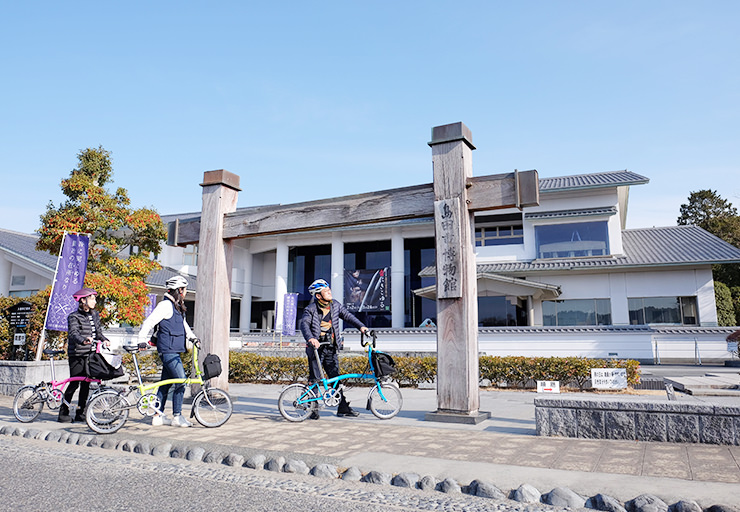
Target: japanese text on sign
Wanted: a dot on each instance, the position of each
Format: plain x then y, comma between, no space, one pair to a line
548,386
449,261
609,378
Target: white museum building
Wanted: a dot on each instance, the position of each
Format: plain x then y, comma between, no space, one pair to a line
562,278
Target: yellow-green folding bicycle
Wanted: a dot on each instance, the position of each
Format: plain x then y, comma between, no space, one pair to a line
108,411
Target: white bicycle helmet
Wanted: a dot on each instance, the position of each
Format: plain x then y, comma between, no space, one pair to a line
176,282
317,286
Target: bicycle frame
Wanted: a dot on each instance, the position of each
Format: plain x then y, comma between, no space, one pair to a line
321,387
60,385
146,389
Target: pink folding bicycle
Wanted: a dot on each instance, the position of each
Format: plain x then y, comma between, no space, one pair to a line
30,399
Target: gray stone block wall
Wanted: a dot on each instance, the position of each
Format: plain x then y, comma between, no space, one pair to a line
14,374
642,420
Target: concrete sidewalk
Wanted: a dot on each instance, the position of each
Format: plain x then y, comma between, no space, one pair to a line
503,450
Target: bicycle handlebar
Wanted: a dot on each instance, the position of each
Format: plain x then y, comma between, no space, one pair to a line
370,334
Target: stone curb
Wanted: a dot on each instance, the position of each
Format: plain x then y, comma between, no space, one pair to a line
525,493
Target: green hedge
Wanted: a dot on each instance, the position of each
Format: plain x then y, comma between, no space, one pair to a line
517,371
510,372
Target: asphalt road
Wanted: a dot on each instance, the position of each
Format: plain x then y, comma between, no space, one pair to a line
42,476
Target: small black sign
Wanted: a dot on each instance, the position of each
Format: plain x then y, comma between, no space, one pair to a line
19,314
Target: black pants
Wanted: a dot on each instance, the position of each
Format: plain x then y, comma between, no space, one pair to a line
77,369
329,360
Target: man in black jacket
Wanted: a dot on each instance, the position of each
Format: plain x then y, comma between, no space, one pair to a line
83,328
320,323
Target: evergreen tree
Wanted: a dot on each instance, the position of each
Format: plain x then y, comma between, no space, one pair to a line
725,309
123,239
711,212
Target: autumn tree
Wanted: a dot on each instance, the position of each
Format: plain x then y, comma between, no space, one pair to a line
122,242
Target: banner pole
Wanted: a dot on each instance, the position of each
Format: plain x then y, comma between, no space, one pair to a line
42,338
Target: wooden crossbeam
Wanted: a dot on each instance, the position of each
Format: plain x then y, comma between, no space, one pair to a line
517,189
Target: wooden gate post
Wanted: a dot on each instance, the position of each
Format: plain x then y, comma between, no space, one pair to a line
213,296
458,398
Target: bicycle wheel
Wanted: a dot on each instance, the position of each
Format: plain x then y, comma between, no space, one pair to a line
212,407
28,404
296,402
385,409
107,412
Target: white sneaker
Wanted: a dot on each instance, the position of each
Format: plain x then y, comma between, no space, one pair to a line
180,421
160,419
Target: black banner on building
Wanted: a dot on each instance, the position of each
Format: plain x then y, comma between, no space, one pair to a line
367,290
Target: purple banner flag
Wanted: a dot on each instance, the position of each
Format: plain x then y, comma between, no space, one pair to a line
69,278
152,304
290,311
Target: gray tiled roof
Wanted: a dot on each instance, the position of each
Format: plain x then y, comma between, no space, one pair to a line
595,180
24,246
645,247
159,277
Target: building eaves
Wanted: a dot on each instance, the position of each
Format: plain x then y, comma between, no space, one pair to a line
595,180
581,212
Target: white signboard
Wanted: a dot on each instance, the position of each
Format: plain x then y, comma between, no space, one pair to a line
548,386
19,338
609,378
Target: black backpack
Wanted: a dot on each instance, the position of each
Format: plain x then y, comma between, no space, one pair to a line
211,366
383,364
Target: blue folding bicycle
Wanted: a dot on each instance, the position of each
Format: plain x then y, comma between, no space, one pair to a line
384,399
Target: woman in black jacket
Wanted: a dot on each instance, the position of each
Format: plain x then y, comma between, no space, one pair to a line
83,329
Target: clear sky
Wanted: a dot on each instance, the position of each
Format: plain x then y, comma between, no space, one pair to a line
309,100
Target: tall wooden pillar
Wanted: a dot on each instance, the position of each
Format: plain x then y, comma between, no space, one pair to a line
213,295
458,398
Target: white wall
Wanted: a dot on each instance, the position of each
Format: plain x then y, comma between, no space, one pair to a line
36,277
620,286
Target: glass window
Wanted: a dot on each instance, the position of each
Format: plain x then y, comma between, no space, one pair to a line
369,256
579,239
663,310
305,265
499,235
419,253
503,229
577,312
190,255
21,293
501,311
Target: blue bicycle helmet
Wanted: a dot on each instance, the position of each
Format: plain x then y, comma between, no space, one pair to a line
317,286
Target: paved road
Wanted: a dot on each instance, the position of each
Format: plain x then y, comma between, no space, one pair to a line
503,450
67,478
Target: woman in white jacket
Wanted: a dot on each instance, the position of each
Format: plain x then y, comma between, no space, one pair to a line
172,332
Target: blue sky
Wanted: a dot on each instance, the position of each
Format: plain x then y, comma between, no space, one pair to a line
309,100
